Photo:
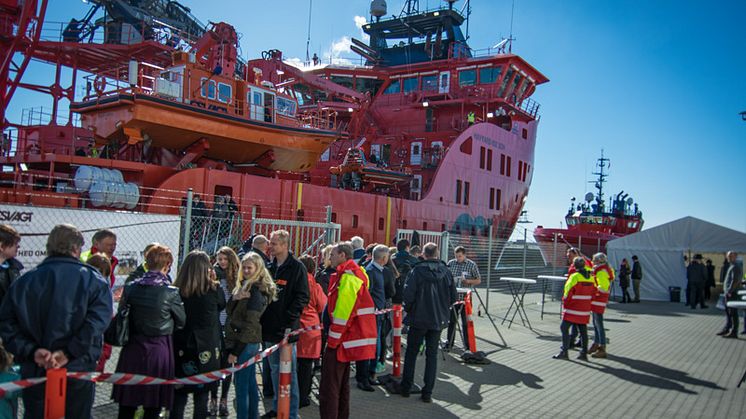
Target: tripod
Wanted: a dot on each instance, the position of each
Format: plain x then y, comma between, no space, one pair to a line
494,325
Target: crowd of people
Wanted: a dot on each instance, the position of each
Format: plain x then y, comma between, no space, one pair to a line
220,310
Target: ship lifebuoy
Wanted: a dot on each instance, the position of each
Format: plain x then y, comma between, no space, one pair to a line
99,84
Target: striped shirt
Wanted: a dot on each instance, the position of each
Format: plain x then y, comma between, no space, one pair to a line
467,267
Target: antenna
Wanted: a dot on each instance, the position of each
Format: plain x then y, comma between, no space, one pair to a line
308,39
599,183
510,38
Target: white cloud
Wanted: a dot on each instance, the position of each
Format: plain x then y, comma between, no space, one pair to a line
361,21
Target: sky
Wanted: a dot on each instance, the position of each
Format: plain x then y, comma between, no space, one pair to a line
657,85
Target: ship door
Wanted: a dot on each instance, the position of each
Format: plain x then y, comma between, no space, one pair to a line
444,82
415,156
256,105
269,107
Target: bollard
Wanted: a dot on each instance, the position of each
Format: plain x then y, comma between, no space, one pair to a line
470,323
286,378
56,390
397,340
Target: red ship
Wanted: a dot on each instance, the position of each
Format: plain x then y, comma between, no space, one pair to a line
589,224
429,134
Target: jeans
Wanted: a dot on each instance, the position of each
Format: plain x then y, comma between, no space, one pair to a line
247,391
599,334
414,340
565,328
274,363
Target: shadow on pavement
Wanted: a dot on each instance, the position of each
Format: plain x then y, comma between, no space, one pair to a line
637,378
663,372
492,374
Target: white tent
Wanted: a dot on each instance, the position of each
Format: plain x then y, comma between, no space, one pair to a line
661,252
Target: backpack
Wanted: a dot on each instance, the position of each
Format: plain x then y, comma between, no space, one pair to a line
403,265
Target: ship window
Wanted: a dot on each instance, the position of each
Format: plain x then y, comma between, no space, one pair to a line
489,159
506,80
285,106
524,134
363,85
393,88
498,199
482,155
516,81
489,74
225,92
334,217
208,88
430,83
507,167
410,84
492,198
380,223
404,223
520,170
525,171
442,227
502,164
458,191
467,78
354,221
466,193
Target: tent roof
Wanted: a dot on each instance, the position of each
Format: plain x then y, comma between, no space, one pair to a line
686,233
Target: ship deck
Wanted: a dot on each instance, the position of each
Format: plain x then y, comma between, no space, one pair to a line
664,361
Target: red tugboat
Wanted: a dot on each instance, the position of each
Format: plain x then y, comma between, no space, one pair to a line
430,134
589,224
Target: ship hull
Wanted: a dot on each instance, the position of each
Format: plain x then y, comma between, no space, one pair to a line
589,242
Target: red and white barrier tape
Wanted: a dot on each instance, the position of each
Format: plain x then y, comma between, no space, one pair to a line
12,386
137,379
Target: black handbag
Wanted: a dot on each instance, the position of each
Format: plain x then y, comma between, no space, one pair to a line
118,332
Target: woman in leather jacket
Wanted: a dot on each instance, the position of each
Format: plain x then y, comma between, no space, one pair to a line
197,346
156,310
243,329
226,269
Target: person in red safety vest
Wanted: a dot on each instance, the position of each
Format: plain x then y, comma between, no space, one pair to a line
104,241
573,253
352,333
576,308
604,275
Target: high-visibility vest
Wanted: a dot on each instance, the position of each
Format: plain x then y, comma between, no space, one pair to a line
576,302
471,117
353,331
603,274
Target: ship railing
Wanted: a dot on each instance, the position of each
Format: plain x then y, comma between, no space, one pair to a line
43,116
119,34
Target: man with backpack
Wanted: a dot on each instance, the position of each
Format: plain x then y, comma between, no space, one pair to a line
404,263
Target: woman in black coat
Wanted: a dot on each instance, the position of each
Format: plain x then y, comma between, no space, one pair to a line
197,346
156,310
624,272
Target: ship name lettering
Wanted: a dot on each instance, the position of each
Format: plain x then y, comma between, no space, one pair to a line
489,141
21,216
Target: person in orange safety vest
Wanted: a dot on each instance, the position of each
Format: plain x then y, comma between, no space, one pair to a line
352,333
576,307
604,275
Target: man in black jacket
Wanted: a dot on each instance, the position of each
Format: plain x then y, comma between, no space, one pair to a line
696,275
429,293
284,313
636,277
54,316
404,263
10,268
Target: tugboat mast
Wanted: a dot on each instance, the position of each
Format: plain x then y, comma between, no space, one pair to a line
602,163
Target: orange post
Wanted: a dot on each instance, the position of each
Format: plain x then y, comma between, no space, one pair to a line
56,391
286,378
397,340
470,323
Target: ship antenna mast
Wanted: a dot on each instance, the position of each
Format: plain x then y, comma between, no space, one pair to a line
599,183
510,38
308,39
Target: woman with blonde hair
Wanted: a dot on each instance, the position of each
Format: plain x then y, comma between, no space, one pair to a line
253,292
227,268
197,346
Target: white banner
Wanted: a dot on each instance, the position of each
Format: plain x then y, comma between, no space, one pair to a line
134,231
